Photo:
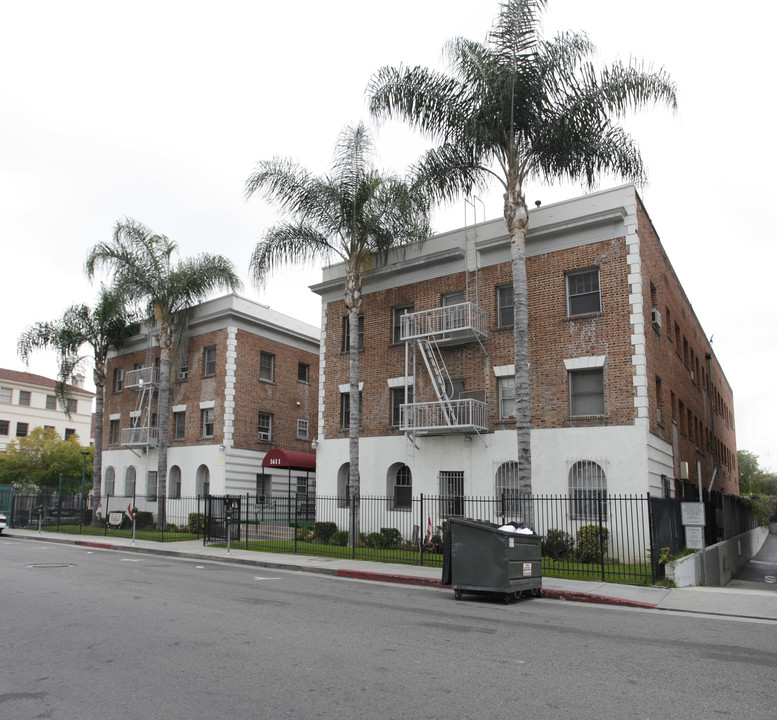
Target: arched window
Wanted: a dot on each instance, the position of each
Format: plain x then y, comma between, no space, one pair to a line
203,480
109,484
506,487
588,490
129,481
343,486
400,486
174,486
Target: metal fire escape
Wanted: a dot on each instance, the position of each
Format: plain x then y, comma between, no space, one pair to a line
428,333
144,431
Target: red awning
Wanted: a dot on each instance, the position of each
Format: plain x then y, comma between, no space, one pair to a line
290,459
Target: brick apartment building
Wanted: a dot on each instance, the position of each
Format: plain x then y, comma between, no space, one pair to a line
28,401
243,386
627,394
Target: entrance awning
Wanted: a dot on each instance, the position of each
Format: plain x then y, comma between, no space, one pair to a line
291,459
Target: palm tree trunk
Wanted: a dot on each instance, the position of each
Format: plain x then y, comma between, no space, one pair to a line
353,302
163,421
517,218
97,466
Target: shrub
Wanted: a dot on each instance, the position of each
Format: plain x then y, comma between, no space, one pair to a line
392,538
196,523
590,541
339,538
374,540
172,528
558,544
304,534
86,517
144,520
323,531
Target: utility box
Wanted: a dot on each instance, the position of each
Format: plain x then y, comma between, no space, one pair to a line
484,558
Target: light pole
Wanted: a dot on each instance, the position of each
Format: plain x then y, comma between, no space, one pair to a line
84,454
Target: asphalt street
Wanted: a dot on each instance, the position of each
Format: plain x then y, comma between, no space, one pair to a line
90,633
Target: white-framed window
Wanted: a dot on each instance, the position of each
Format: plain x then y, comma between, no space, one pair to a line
302,429
396,320
179,428
6,395
586,392
587,490
209,360
129,481
267,366
403,489
344,486
24,397
583,295
346,345
109,484
265,427
151,485
72,406
397,400
118,379
174,486
51,402
345,409
504,305
506,397
451,492
183,369
208,418
114,432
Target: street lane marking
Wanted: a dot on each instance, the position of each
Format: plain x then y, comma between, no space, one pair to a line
264,578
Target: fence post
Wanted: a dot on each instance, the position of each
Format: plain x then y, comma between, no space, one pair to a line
248,498
421,526
601,532
294,528
652,548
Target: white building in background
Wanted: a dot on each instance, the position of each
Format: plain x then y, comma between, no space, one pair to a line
28,401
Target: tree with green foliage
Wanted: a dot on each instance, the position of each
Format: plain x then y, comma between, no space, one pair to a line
38,460
84,336
519,108
354,214
144,271
753,479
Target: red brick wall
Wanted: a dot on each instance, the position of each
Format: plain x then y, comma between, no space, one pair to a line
682,369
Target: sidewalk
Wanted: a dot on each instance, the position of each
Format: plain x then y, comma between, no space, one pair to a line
735,601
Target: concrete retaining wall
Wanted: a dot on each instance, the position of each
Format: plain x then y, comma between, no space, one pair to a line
722,560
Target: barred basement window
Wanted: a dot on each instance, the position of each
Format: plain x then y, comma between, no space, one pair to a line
587,491
451,493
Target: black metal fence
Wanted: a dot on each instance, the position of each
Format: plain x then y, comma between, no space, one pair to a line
614,538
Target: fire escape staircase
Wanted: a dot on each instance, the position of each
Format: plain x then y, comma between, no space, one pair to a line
143,433
428,333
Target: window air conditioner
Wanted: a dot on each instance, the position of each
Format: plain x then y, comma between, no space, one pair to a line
182,374
655,316
264,436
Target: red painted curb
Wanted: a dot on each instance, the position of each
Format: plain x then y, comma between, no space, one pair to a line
590,598
383,577
87,543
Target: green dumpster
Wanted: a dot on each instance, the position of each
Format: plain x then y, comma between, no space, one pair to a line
484,558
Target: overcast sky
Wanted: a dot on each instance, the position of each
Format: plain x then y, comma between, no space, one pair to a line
160,110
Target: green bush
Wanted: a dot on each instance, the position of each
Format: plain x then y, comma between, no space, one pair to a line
196,523
339,538
172,528
374,540
86,517
392,538
144,520
590,541
558,544
323,531
304,534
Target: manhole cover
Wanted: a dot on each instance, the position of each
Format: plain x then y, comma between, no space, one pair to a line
49,565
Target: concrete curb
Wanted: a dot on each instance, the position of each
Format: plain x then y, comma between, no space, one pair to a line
573,596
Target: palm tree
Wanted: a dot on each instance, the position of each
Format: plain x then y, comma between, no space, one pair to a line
99,330
520,108
144,271
355,214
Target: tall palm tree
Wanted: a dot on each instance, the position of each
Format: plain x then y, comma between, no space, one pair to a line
355,214
144,271
80,329
518,108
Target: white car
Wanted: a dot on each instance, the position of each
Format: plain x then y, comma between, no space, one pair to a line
3,522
